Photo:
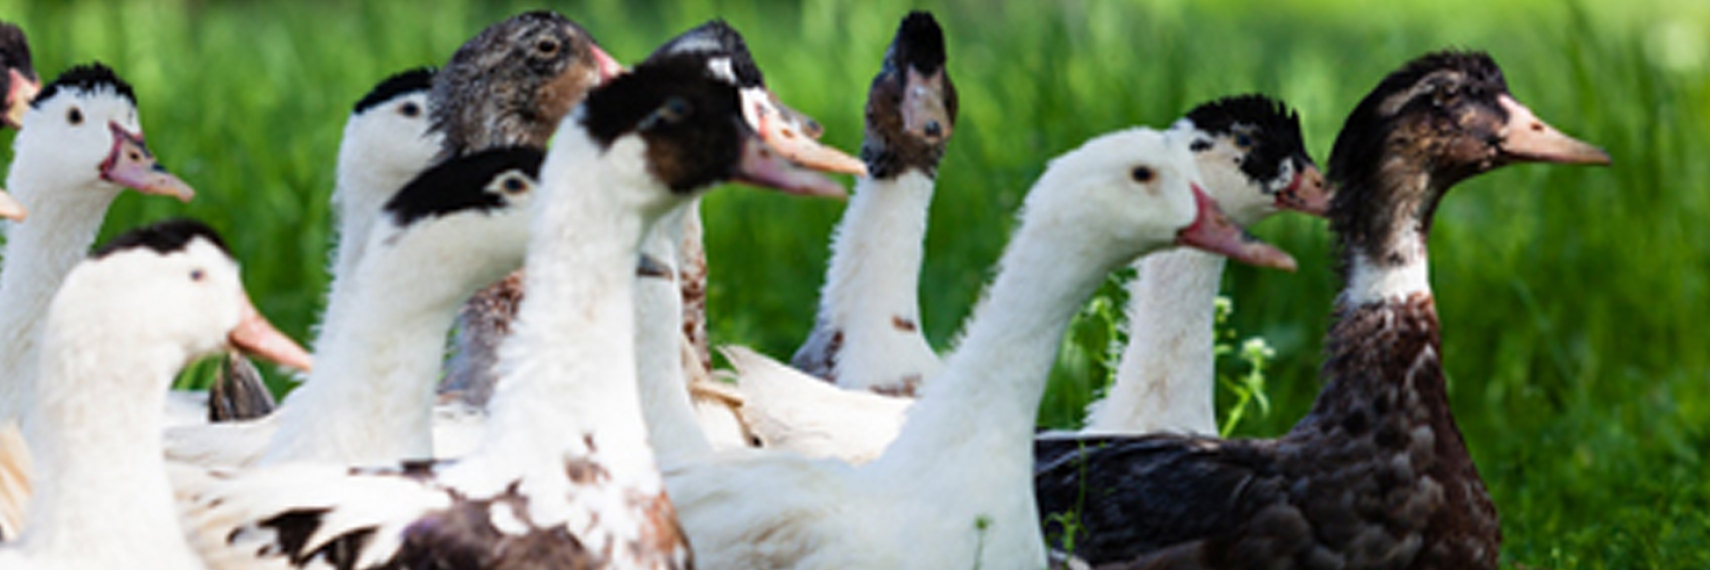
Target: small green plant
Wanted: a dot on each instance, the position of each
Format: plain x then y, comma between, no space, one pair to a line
1248,388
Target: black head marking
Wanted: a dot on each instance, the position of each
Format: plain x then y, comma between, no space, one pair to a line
15,51
460,184
711,40
1272,128
418,80
87,78
692,122
889,148
1418,89
164,237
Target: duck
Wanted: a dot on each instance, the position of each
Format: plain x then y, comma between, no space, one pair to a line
564,476
1165,378
386,143
113,338
722,49
1377,474
1249,150
458,226
19,85
80,143
867,334
953,489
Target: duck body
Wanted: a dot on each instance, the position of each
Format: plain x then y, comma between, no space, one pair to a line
1377,475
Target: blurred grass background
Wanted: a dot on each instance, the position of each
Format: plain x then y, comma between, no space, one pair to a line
1573,299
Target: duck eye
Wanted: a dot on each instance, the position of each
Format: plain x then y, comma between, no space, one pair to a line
74,116
1200,145
514,185
547,47
197,275
1243,141
410,110
1142,174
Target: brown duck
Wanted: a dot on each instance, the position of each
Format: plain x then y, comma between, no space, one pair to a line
1377,474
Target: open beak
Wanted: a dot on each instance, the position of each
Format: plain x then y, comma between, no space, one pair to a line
10,208
1527,138
607,65
257,337
131,165
923,112
792,134
1214,232
22,90
765,168
1307,194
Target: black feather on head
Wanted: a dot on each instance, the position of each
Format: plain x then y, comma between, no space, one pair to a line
1354,154
460,183
711,40
15,50
163,237
691,121
418,80
87,78
919,44
1274,128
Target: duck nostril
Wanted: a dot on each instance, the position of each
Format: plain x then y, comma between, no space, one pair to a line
933,129
1537,127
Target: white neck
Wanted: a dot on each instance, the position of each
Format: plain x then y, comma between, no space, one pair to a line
872,285
358,196
1166,379
978,415
103,499
1370,282
568,370
370,399
38,255
670,415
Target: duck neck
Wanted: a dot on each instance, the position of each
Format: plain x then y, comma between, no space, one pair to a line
1165,380
871,295
358,196
568,390
38,255
100,470
370,398
659,337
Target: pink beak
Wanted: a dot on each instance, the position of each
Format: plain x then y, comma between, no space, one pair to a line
1214,232
765,168
258,337
131,165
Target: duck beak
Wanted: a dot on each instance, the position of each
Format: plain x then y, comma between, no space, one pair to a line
257,337
792,134
20,92
131,165
923,112
607,65
10,208
765,168
1214,232
1526,138
1307,194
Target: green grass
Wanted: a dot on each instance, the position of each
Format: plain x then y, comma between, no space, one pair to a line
1572,299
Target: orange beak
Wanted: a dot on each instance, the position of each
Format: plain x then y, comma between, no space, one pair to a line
1527,138
792,136
257,337
1213,231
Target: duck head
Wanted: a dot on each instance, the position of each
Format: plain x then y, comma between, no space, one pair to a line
175,284
18,80
1125,194
1252,157
466,217
1438,120
723,52
686,131
388,132
82,130
510,84
911,106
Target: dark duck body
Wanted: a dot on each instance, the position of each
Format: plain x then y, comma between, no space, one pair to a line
1377,474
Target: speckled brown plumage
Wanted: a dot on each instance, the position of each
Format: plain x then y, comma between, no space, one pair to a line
1377,474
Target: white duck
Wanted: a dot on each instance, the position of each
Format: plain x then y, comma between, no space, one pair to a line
955,489
80,145
457,227
564,477
386,143
1250,153
114,337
